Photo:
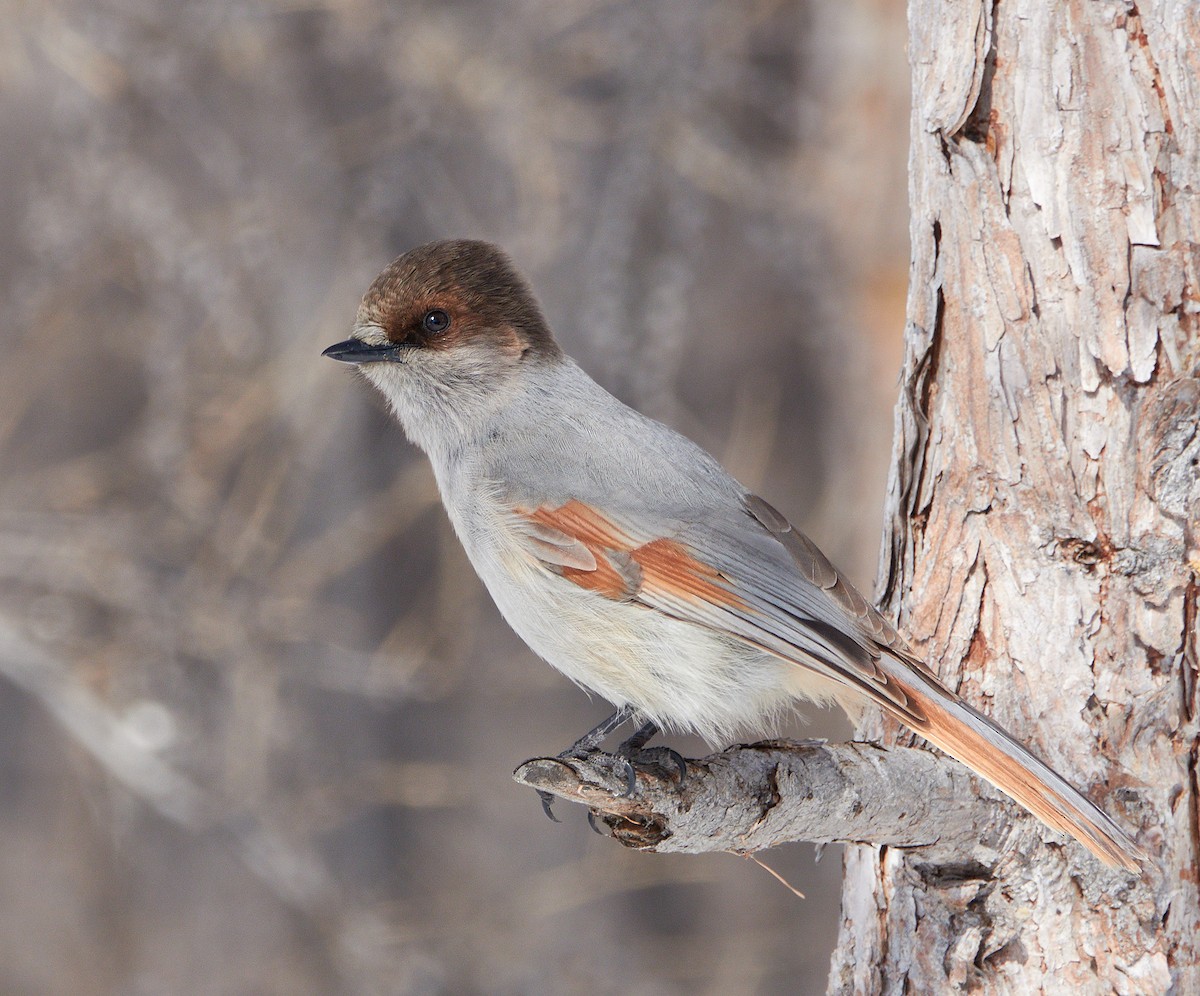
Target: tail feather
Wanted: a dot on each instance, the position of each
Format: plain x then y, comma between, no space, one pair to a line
946,721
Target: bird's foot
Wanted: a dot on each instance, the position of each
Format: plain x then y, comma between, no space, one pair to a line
635,752
631,753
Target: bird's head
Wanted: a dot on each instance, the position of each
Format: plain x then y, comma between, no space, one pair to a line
445,333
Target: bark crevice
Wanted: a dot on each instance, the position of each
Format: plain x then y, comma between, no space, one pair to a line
1051,364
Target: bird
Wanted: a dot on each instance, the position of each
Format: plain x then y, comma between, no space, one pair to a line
625,556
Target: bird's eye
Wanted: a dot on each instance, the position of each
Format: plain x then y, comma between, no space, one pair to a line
436,321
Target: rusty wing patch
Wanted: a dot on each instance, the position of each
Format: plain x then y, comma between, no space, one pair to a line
668,567
626,565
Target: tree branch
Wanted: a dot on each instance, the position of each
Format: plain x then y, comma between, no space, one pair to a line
755,796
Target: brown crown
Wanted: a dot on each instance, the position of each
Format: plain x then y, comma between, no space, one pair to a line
475,283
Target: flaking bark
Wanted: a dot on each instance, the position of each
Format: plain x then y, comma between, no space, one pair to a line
1042,547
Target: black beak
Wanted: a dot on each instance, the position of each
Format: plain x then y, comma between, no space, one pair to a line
357,351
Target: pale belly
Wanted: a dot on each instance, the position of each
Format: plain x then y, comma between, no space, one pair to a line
683,676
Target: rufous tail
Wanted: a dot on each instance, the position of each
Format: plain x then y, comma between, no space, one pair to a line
973,739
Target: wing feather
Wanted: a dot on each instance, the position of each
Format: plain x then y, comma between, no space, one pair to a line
742,580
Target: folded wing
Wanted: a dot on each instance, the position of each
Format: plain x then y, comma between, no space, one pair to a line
754,576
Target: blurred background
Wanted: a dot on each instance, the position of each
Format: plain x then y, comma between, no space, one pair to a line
258,718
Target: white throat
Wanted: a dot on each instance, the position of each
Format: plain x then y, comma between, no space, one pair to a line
446,401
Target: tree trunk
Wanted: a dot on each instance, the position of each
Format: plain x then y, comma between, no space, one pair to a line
1042,549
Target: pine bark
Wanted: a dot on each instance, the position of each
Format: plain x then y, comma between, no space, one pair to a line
1044,507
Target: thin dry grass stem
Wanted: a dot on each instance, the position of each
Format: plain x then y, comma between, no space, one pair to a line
774,874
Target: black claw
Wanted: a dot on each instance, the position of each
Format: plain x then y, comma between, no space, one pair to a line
547,800
630,779
592,824
677,759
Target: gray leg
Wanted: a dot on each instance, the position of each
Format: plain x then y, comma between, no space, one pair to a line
590,741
